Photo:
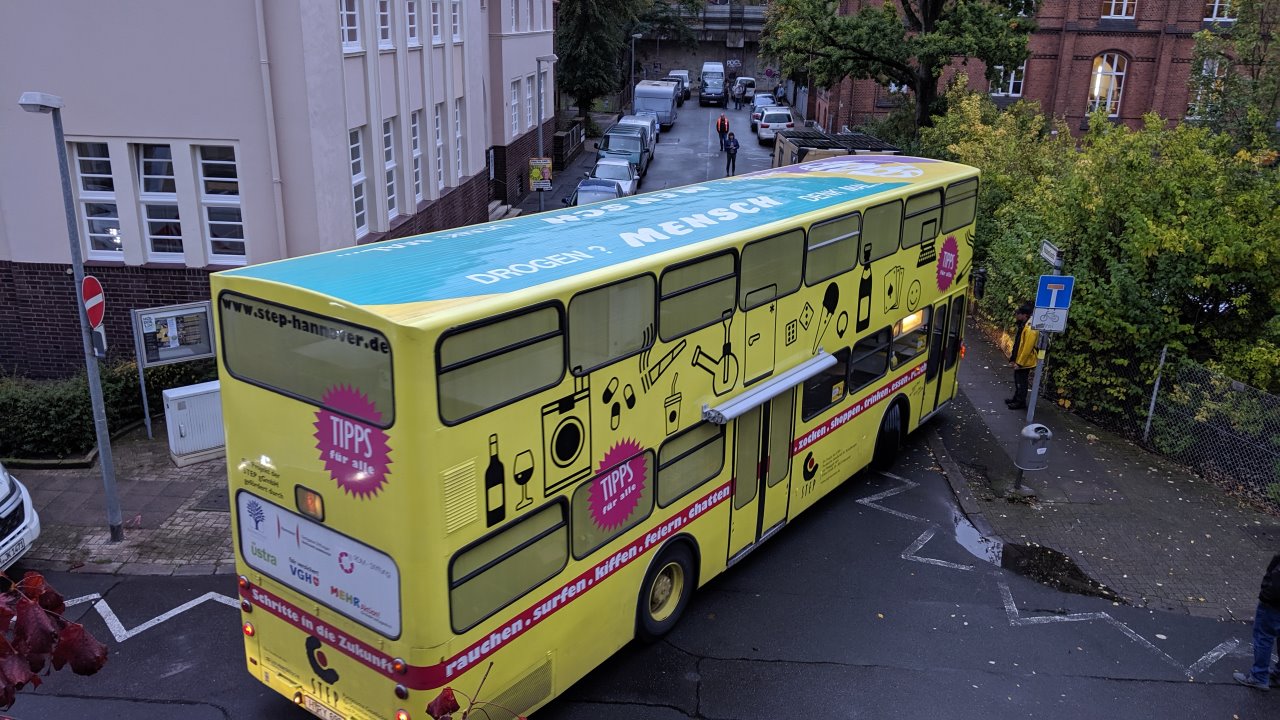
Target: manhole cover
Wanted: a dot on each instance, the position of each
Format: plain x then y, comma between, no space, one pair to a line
214,501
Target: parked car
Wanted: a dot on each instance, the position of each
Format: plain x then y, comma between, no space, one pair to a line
647,121
18,518
592,190
758,104
773,120
630,141
711,85
618,170
687,82
748,86
682,91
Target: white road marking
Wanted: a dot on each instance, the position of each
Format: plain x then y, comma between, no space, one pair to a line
871,500
117,628
926,536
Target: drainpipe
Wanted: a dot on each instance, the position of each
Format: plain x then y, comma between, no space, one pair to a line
273,150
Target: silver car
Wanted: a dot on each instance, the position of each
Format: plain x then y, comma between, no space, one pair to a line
773,120
618,170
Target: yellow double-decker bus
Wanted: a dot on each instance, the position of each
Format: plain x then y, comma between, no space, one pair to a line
499,453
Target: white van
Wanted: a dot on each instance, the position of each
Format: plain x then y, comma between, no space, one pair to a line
711,87
659,98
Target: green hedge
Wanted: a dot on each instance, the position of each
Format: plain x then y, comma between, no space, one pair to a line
54,418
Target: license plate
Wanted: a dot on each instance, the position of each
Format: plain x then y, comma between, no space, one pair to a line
320,711
13,552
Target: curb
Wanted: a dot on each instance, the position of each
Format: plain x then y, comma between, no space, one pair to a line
129,568
959,486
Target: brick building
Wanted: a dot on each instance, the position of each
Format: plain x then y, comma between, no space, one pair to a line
206,135
1129,56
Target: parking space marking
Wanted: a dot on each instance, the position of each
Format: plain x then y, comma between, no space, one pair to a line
926,536
118,629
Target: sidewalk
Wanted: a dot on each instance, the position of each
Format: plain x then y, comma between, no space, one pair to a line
1148,529
1145,527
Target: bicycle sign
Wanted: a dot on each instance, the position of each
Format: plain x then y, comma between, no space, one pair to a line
1053,297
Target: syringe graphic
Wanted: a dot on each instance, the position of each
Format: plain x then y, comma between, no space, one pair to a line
649,378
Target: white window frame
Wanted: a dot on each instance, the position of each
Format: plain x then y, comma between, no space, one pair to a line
546,103
528,16
386,41
210,202
1119,9
1114,79
359,184
1010,83
412,30
149,199
455,19
515,109
1218,11
1215,68
529,98
389,165
415,144
515,15
439,127
97,197
458,146
436,37
349,25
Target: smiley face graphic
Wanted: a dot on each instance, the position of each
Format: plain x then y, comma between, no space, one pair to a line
913,296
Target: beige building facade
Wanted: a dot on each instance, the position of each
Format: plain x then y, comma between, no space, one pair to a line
206,135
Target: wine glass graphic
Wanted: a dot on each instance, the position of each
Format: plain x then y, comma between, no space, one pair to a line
523,470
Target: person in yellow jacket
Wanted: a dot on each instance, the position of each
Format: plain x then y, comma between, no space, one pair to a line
1023,357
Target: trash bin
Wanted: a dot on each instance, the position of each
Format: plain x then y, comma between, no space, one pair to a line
1033,447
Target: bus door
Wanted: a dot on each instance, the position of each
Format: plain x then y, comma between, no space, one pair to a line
935,362
951,355
761,471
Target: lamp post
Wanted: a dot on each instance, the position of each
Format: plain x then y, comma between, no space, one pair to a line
631,73
542,59
38,102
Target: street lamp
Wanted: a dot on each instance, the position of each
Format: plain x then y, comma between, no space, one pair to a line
38,102
631,74
542,59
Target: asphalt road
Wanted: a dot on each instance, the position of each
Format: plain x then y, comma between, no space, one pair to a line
880,602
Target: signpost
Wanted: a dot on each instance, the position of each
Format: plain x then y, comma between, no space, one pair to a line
1051,254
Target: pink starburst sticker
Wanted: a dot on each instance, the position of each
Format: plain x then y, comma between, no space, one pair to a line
616,490
355,453
947,260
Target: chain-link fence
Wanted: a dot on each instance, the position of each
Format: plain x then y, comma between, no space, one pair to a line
1226,431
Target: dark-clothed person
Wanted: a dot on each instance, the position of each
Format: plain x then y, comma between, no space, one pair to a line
1266,625
731,146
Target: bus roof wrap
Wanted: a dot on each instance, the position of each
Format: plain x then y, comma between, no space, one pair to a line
524,252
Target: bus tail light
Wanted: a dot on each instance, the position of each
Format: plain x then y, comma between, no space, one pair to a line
402,715
309,503
963,348
248,629
402,692
400,666
246,606
243,582
297,698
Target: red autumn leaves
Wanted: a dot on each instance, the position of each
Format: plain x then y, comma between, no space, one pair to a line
35,638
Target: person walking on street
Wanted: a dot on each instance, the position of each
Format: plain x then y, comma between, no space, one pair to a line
1022,357
731,157
737,96
1266,625
722,129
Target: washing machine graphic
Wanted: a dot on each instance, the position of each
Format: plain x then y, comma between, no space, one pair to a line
566,438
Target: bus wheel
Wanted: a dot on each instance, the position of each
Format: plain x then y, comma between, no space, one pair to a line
665,592
889,439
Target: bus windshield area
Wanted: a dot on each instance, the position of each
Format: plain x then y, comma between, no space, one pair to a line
335,365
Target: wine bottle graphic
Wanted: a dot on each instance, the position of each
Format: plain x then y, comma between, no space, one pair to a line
495,496
865,286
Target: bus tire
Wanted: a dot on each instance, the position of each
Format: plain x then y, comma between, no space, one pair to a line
666,591
888,439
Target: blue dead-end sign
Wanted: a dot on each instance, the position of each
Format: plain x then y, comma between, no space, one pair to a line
1054,291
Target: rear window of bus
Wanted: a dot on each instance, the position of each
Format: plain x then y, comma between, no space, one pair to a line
335,365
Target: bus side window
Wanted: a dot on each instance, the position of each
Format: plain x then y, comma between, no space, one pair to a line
490,574
696,294
688,460
774,263
962,205
827,388
910,337
488,364
597,516
832,248
870,360
924,211
881,229
610,323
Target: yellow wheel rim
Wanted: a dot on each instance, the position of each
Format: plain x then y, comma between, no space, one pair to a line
666,591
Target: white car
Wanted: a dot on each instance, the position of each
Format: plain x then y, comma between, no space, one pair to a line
619,170
773,120
19,524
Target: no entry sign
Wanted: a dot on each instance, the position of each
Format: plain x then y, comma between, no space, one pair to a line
94,303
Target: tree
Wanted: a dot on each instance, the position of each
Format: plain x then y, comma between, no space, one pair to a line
910,50
34,637
1235,75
